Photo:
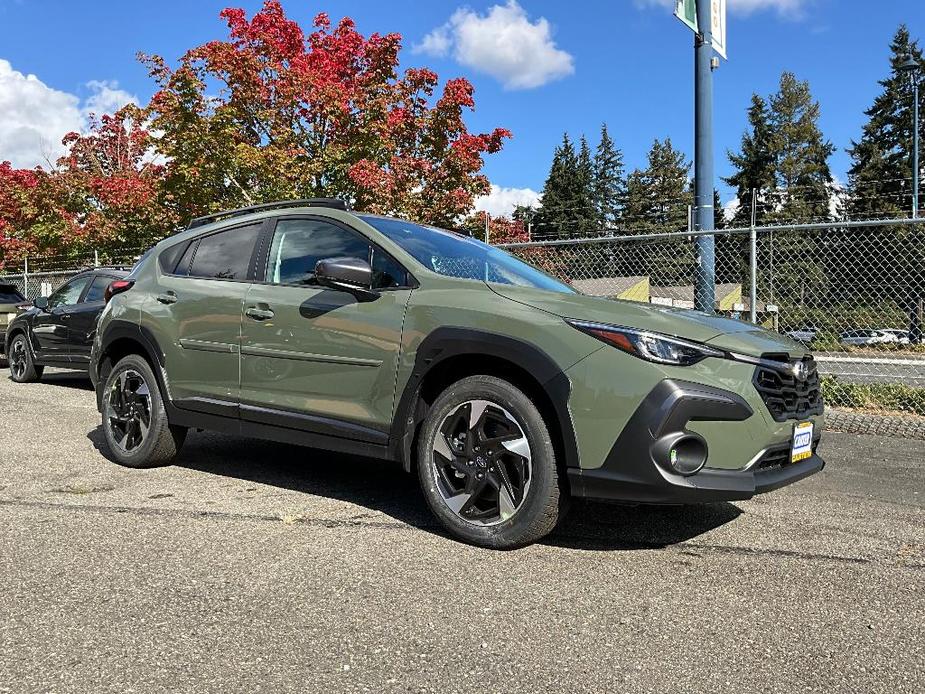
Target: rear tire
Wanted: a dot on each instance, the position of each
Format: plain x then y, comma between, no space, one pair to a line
134,419
23,368
487,465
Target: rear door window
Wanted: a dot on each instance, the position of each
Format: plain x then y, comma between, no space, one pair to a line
225,255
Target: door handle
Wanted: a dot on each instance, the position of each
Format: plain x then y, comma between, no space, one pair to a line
65,316
259,312
168,298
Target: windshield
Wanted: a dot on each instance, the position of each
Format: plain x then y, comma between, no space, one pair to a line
453,255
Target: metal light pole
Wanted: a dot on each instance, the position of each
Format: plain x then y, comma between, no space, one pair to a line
705,288
911,65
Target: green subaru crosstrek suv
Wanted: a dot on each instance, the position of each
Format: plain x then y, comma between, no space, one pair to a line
504,389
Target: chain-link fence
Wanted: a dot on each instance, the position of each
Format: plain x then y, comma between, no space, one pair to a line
41,275
852,291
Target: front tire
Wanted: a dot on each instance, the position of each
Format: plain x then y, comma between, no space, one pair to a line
134,419
487,465
23,368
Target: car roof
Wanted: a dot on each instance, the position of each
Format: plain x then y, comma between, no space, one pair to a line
251,217
117,270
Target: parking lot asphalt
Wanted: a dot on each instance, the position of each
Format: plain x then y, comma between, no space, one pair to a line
258,567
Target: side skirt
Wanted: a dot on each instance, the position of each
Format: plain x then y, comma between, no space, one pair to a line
239,427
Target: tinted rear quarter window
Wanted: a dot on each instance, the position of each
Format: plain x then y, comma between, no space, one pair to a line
169,257
9,295
225,255
97,289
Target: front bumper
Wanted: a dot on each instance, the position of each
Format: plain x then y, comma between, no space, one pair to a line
635,470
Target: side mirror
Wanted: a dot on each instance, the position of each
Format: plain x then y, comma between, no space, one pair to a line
352,275
41,303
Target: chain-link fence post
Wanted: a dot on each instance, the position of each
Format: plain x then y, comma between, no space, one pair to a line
753,266
25,277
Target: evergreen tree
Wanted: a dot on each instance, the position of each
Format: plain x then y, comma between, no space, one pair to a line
801,153
559,191
567,203
657,199
755,165
719,214
879,185
584,214
880,174
609,188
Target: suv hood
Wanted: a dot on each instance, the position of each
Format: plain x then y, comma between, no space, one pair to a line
721,332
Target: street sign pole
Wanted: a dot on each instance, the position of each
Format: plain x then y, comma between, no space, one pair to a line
705,287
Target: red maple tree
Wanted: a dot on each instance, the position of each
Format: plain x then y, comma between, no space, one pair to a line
320,114
269,113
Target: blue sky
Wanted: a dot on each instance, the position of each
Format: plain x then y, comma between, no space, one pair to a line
563,66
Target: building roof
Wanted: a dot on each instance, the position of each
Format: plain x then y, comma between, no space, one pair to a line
608,286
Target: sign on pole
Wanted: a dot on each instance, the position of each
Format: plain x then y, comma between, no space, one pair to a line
686,11
718,26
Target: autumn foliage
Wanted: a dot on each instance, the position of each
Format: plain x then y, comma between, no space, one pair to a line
269,113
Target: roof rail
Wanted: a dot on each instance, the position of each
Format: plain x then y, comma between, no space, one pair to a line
88,268
335,203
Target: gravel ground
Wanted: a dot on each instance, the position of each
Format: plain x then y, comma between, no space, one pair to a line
258,567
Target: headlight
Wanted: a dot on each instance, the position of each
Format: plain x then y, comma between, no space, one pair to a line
654,347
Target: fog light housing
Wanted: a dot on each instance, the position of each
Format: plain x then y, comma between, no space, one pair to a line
681,453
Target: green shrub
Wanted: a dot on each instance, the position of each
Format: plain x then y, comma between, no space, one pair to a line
893,397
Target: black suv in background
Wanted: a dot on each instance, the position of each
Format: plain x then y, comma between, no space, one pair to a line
11,303
59,330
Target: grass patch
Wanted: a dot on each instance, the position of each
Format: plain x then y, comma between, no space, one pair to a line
894,397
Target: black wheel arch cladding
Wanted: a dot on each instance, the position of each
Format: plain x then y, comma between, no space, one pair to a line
448,342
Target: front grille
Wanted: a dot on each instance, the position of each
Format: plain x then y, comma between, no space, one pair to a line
774,458
777,457
787,396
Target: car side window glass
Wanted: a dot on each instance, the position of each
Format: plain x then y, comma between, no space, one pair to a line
97,289
69,293
298,245
225,255
387,272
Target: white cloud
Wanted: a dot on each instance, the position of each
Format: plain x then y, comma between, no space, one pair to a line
106,98
730,208
792,9
436,43
500,202
34,117
503,43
